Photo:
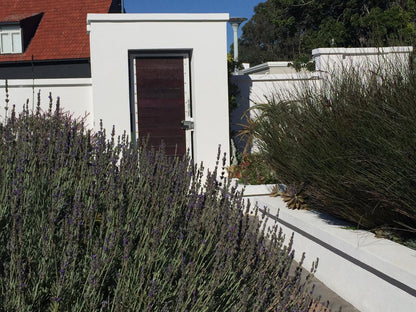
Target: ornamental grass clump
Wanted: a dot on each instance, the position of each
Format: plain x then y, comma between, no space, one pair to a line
350,142
90,223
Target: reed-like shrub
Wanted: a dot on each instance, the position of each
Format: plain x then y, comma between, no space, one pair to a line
89,223
350,142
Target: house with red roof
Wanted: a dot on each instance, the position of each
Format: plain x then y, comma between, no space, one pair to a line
43,39
45,49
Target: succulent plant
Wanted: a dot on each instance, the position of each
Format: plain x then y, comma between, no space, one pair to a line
291,195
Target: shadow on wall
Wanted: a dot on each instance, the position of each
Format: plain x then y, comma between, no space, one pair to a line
237,116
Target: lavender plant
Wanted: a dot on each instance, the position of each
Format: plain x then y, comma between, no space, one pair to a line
90,223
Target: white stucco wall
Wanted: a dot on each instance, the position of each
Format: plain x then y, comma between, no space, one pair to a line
75,95
112,36
261,88
265,87
257,88
373,274
331,60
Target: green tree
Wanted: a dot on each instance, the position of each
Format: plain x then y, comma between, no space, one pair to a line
290,29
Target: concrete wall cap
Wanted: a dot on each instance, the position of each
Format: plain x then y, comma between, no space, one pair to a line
284,77
364,51
157,17
264,66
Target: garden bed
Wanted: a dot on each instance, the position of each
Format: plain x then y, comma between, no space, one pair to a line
373,274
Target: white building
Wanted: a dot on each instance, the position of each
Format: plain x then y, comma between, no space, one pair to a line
162,75
193,49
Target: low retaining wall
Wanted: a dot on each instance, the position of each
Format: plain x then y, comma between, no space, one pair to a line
372,274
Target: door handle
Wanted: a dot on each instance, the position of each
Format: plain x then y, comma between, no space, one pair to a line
187,125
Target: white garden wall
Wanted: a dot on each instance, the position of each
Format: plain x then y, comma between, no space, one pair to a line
373,274
113,36
260,88
330,60
75,95
257,88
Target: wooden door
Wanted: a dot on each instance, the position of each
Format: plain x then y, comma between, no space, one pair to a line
161,102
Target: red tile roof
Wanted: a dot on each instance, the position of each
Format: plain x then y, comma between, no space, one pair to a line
16,17
62,31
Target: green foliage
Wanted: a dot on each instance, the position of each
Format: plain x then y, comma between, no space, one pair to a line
233,91
252,169
95,224
303,62
288,29
351,143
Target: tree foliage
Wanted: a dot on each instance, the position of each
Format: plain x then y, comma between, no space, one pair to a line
290,29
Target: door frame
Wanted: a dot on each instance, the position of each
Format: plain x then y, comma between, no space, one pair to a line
186,55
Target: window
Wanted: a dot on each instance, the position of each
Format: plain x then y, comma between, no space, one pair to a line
10,39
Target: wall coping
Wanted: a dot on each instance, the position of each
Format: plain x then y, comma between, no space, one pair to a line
279,77
361,51
157,17
263,66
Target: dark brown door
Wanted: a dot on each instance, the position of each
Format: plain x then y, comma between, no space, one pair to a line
161,103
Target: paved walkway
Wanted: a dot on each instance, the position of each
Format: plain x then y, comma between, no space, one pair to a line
336,303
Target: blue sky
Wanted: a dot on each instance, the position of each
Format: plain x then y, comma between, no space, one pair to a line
236,8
